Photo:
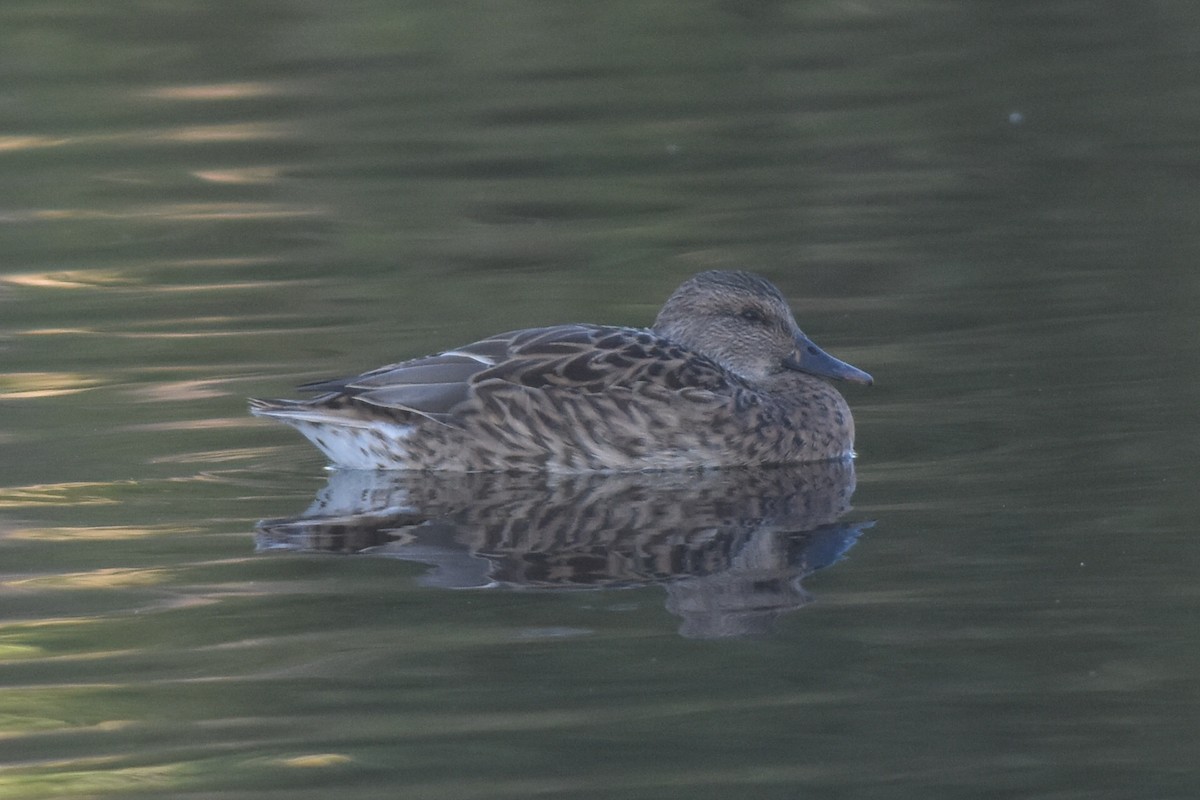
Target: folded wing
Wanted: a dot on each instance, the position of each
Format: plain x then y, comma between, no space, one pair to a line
574,358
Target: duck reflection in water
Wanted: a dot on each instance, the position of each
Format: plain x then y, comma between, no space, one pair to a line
730,546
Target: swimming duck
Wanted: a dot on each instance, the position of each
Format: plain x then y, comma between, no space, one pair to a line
723,378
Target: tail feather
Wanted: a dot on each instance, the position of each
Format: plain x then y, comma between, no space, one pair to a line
300,411
347,440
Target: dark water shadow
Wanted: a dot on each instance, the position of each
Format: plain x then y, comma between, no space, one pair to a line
729,546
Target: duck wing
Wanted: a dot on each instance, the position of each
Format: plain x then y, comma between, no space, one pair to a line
587,359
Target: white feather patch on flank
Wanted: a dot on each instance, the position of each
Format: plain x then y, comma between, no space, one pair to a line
375,446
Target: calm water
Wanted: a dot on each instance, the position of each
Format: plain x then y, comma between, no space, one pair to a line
989,206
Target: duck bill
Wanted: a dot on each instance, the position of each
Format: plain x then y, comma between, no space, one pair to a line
807,357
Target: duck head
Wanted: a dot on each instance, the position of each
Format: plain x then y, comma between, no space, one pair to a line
741,321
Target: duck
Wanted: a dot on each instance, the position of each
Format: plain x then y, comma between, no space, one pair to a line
723,378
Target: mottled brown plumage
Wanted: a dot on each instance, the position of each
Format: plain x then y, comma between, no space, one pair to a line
724,378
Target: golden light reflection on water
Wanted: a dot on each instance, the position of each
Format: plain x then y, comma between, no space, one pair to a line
104,278
34,709
216,423
176,391
233,132
8,143
12,726
12,652
175,212
110,279
316,760
24,641
108,578
230,286
87,777
57,332
67,279
187,134
60,494
241,261
101,533
159,334
176,334
24,385
243,90
215,456
245,175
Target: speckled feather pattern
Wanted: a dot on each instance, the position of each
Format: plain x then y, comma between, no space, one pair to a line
573,398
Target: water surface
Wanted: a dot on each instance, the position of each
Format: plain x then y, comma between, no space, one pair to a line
987,206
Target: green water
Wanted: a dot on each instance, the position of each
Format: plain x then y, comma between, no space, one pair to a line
990,207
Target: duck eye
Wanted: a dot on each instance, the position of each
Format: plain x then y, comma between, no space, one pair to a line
753,315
